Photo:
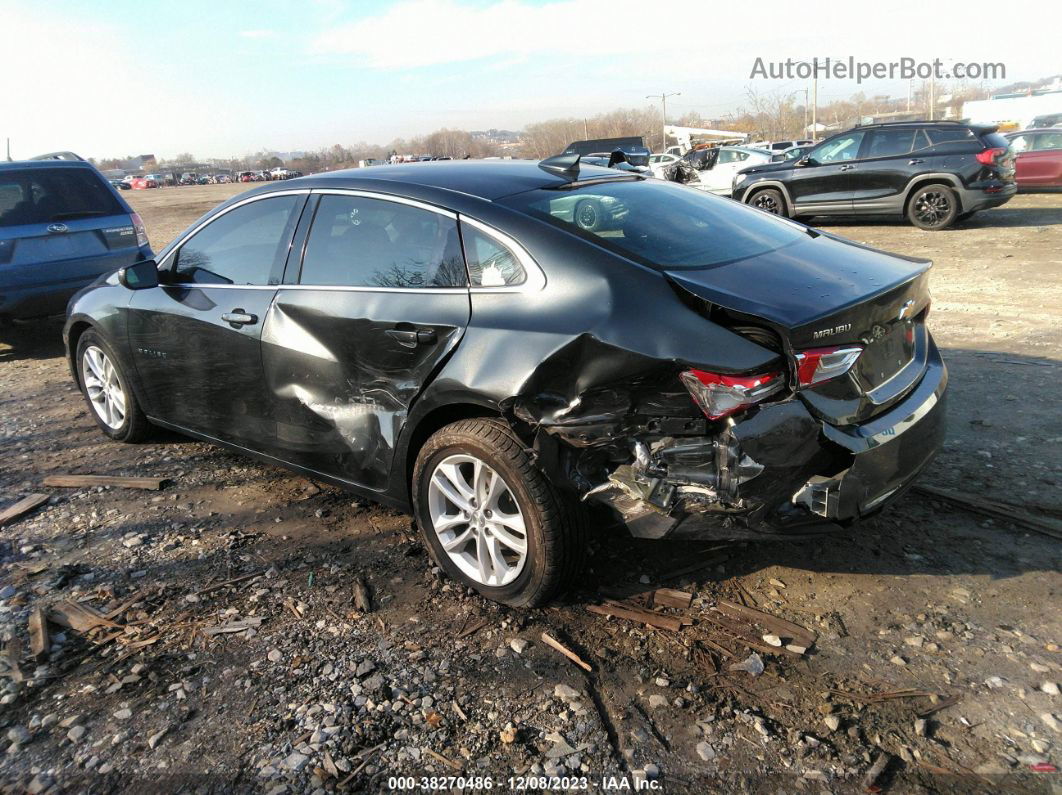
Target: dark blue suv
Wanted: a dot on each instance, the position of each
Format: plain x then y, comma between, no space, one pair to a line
61,226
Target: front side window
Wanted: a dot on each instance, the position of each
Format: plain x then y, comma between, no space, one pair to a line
490,264
244,246
837,150
1046,141
658,223
361,242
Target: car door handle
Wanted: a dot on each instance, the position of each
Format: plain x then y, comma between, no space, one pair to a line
915,161
847,168
237,318
411,338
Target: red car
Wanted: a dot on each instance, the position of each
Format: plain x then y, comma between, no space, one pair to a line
1038,157
142,183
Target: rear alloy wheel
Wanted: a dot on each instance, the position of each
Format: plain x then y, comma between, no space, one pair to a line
587,215
933,207
490,518
106,388
770,201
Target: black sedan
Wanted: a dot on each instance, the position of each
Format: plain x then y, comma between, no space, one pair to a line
500,345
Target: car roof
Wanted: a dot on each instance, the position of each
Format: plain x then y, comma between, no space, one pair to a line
44,165
485,179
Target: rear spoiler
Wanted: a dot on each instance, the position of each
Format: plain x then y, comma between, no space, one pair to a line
58,156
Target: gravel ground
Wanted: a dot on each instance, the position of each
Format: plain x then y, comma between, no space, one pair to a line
236,658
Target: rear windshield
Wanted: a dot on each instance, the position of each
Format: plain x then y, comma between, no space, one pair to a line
659,223
34,196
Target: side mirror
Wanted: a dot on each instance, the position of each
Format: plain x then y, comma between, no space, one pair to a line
140,275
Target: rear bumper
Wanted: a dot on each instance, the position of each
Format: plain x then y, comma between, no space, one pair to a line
800,476
39,290
984,198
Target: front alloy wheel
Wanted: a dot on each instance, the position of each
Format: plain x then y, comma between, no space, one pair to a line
105,386
104,390
769,201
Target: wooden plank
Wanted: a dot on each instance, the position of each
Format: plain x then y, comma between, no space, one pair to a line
79,481
779,626
362,599
641,616
669,597
1038,524
553,643
40,643
23,506
78,617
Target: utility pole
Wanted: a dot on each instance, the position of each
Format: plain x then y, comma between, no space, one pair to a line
586,133
814,104
662,96
932,97
8,150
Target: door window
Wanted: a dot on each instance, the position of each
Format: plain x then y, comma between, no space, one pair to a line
1046,141
891,143
490,264
731,156
837,150
246,245
361,242
1020,143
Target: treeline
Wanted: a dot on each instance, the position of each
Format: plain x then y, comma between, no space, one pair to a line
763,115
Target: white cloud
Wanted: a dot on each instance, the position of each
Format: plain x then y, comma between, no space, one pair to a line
258,34
420,33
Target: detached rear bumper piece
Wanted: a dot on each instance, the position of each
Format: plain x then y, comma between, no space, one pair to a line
781,473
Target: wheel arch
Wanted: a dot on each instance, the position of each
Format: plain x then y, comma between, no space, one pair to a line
431,421
74,334
947,180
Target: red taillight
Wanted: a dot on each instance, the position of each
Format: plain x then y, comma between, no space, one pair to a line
141,231
988,157
822,364
720,395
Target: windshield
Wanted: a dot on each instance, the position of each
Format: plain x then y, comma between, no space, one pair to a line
658,223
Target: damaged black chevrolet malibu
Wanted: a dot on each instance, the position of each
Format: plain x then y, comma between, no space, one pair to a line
499,345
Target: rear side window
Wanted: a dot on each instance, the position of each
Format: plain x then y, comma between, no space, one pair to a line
361,242
244,246
889,143
38,195
946,139
490,264
658,223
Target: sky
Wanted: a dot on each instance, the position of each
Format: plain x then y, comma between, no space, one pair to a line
108,78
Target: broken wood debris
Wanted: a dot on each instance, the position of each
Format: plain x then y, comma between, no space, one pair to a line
779,626
40,642
362,599
233,581
875,771
475,627
669,597
876,698
951,701
233,626
78,617
641,616
13,656
23,506
440,758
1006,513
79,481
555,644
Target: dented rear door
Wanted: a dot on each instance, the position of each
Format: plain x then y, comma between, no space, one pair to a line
379,302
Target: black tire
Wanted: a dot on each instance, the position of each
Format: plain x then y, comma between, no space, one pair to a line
134,426
588,215
770,201
555,524
933,207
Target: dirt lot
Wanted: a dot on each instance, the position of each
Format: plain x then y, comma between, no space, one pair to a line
926,603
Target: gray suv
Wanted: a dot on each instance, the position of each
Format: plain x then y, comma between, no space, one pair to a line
62,225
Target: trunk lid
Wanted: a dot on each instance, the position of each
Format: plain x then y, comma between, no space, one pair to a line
825,292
